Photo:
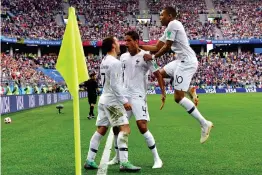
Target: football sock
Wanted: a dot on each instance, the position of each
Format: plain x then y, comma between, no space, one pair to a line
151,144
122,142
93,147
116,147
192,110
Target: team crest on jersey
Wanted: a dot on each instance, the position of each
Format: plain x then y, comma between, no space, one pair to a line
137,61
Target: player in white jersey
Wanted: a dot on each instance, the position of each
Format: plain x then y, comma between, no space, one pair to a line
135,74
183,68
112,107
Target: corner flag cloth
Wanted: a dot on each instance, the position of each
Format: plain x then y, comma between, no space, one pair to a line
72,66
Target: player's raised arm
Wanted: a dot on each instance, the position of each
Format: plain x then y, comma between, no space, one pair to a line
164,49
153,67
154,48
167,18
161,84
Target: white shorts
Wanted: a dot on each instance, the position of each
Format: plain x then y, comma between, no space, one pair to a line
139,108
182,73
111,115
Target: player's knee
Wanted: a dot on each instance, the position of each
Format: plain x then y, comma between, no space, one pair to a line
124,128
102,130
163,73
177,99
142,125
179,95
116,130
122,137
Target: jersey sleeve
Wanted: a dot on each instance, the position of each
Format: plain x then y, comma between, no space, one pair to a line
116,82
171,31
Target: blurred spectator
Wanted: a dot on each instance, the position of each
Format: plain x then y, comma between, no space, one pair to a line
246,18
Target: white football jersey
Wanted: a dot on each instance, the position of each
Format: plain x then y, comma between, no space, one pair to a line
135,73
175,32
111,78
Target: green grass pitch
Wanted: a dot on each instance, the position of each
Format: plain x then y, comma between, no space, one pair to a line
41,142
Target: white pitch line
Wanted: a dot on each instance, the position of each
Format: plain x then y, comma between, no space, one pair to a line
106,154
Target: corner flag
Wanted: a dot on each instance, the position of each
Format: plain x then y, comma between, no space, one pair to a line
72,66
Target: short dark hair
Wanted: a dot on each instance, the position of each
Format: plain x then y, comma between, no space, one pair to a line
171,10
92,74
107,44
133,34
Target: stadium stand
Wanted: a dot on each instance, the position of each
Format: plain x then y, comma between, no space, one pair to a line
246,18
21,67
219,70
36,20
189,16
31,19
28,19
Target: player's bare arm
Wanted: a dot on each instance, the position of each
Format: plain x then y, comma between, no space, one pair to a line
161,52
154,48
161,84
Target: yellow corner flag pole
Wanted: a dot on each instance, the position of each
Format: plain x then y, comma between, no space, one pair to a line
72,66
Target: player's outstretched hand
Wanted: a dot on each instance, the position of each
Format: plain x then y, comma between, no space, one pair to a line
127,106
147,57
163,99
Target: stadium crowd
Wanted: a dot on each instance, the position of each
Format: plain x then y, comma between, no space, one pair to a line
22,67
36,19
224,70
245,16
215,70
188,15
33,19
229,69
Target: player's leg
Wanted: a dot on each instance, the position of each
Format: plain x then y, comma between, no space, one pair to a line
118,117
193,95
190,107
93,147
140,110
93,106
168,72
164,73
102,126
116,131
115,160
92,102
90,107
149,138
122,142
183,74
